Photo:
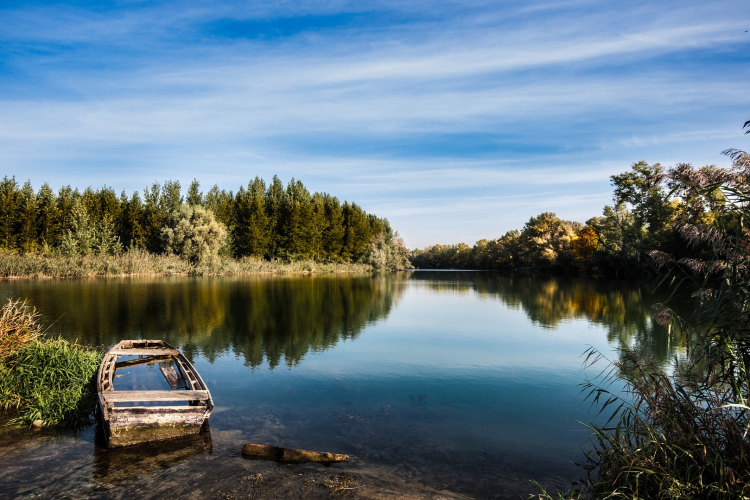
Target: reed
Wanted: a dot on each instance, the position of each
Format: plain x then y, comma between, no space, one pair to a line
671,435
136,262
18,327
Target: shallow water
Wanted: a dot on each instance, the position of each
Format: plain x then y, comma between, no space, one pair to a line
436,383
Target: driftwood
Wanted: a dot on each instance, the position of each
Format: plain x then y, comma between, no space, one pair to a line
279,454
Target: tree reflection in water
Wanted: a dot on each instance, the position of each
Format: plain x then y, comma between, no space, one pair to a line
623,307
279,319
260,318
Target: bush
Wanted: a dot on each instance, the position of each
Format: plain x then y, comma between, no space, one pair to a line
195,235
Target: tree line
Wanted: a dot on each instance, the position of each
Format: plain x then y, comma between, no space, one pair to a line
271,222
650,205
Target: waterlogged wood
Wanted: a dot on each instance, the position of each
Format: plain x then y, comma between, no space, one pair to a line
128,396
280,454
144,352
172,378
141,361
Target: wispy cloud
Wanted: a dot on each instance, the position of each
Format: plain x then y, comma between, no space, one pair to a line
410,107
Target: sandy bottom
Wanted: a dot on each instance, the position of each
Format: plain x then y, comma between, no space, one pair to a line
48,463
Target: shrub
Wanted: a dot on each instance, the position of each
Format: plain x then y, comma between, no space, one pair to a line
195,235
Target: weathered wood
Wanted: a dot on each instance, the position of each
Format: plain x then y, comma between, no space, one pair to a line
280,454
163,416
126,425
170,375
144,352
126,396
141,361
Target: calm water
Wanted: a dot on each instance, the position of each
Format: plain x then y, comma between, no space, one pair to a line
451,382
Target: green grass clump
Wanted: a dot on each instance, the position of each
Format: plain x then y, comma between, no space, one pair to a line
49,382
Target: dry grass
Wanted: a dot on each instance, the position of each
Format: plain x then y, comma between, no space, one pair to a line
18,327
135,262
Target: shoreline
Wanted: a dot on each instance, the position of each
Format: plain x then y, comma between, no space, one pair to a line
140,263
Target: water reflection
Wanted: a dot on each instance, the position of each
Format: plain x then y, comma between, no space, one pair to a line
623,307
280,319
271,319
117,466
459,381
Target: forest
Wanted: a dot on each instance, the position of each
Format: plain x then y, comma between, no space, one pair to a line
273,222
650,206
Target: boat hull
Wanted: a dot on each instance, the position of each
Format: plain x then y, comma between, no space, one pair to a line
128,426
137,416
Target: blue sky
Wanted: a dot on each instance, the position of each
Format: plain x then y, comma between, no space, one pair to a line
455,120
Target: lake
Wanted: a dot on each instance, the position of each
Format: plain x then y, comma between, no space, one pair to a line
437,383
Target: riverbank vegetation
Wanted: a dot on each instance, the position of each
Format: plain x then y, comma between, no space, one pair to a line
257,229
682,432
44,381
650,207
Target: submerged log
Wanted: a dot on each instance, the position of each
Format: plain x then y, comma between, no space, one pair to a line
279,454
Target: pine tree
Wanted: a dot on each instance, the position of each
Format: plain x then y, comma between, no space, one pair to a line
26,223
356,233
272,203
8,192
333,230
151,218
131,231
194,194
66,199
47,216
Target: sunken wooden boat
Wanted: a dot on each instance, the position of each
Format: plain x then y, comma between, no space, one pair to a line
179,405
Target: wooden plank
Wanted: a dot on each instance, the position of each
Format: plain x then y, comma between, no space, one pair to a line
170,374
157,410
141,361
144,352
124,396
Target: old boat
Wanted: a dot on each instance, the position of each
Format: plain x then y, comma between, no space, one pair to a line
143,413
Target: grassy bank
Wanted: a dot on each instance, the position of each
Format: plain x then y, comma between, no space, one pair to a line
137,262
43,381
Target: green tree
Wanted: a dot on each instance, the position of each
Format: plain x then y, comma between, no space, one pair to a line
272,203
333,230
66,200
251,233
195,235
194,194
356,233
80,238
152,219
8,210
640,190
47,227
26,218
131,231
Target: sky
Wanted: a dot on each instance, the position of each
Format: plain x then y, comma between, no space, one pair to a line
456,121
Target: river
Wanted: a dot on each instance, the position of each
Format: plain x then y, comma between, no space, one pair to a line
440,383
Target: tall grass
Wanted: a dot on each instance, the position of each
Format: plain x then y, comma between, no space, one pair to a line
44,381
18,327
685,432
140,262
